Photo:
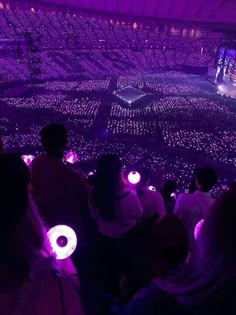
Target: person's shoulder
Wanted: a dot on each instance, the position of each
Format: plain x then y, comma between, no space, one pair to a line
60,289
183,197
144,301
38,159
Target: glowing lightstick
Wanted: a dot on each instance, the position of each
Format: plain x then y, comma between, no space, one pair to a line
134,177
63,241
27,159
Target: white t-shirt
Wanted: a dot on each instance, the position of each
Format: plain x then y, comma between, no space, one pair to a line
191,208
128,213
152,202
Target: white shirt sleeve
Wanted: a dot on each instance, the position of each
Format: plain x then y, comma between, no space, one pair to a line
179,206
160,204
135,209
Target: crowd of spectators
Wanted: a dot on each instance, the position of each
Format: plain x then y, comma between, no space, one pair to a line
41,45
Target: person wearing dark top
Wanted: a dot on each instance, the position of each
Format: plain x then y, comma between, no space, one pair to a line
169,195
59,191
159,251
208,284
1,144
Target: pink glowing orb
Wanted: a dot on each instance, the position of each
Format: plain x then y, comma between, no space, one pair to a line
198,228
173,195
63,241
28,159
134,177
71,157
152,188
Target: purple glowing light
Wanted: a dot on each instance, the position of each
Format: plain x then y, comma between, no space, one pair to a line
71,157
28,159
173,195
198,228
152,188
63,241
134,177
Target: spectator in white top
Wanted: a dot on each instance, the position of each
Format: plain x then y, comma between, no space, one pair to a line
59,191
114,206
191,208
152,201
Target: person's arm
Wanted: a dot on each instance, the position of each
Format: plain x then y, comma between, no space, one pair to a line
59,297
160,206
178,206
135,208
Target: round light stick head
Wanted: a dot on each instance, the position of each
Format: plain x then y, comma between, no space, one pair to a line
71,157
63,241
152,188
197,229
134,177
28,159
173,195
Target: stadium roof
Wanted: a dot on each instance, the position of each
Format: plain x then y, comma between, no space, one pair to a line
218,11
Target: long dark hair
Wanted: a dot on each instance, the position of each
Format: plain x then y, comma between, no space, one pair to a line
214,262
22,233
107,182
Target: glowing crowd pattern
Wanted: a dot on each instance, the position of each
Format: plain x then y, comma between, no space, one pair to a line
134,177
63,241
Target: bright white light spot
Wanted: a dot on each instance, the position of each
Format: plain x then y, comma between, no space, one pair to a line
63,241
27,159
134,177
152,188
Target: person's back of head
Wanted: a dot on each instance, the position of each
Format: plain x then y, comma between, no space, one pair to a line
165,246
169,187
108,180
205,178
54,139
